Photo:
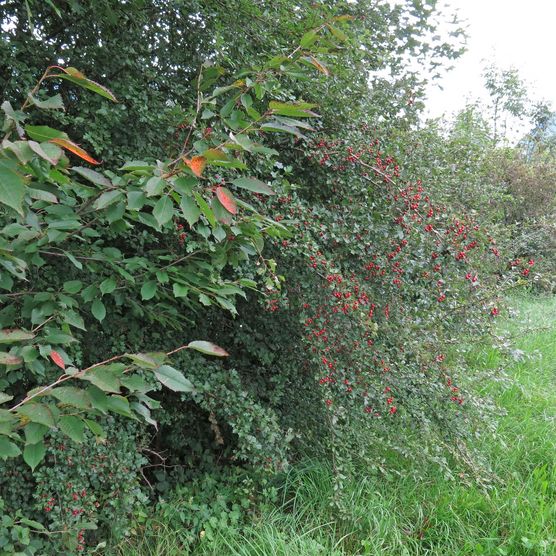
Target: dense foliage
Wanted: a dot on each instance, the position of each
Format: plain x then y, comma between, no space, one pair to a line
270,193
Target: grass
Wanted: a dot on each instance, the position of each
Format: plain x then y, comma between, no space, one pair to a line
514,516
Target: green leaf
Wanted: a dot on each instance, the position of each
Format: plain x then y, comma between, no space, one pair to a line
219,90
155,186
42,133
92,176
55,153
10,335
135,383
8,449
73,260
5,397
184,185
190,210
243,141
274,62
282,128
20,148
107,198
162,276
180,290
59,338
105,379
294,123
108,285
208,348
173,379
95,428
37,149
41,195
205,300
34,432
12,186
253,184
99,400
214,154
120,405
16,115
29,522
144,412
7,416
37,413
52,103
74,319
98,309
205,209
163,210
340,35
147,360
70,395
136,200
294,110
148,290
73,286
308,38
73,427
75,76
90,526
33,454
137,166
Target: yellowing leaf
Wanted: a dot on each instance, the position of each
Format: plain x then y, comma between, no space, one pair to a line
10,335
338,33
215,154
319,65
208,348
75,76
75,149
196,164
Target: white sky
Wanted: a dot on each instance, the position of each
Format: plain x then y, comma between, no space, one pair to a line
510,33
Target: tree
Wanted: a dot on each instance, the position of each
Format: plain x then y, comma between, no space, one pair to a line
508,94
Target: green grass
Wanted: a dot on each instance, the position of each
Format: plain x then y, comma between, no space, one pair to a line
513,515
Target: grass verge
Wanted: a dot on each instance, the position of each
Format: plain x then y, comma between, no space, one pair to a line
514,516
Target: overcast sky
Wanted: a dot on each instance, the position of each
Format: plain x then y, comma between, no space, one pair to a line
514,33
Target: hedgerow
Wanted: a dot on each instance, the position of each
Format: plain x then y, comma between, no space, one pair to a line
324,279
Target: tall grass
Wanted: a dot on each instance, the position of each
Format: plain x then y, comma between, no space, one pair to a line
514,515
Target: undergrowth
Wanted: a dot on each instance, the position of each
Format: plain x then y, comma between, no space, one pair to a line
511,512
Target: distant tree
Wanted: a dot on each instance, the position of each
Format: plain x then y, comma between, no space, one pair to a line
508,94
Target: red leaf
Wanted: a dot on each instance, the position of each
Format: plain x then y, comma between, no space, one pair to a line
70,146
197,164
57,359
227,199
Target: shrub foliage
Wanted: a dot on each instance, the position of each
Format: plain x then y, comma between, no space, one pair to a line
264,265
